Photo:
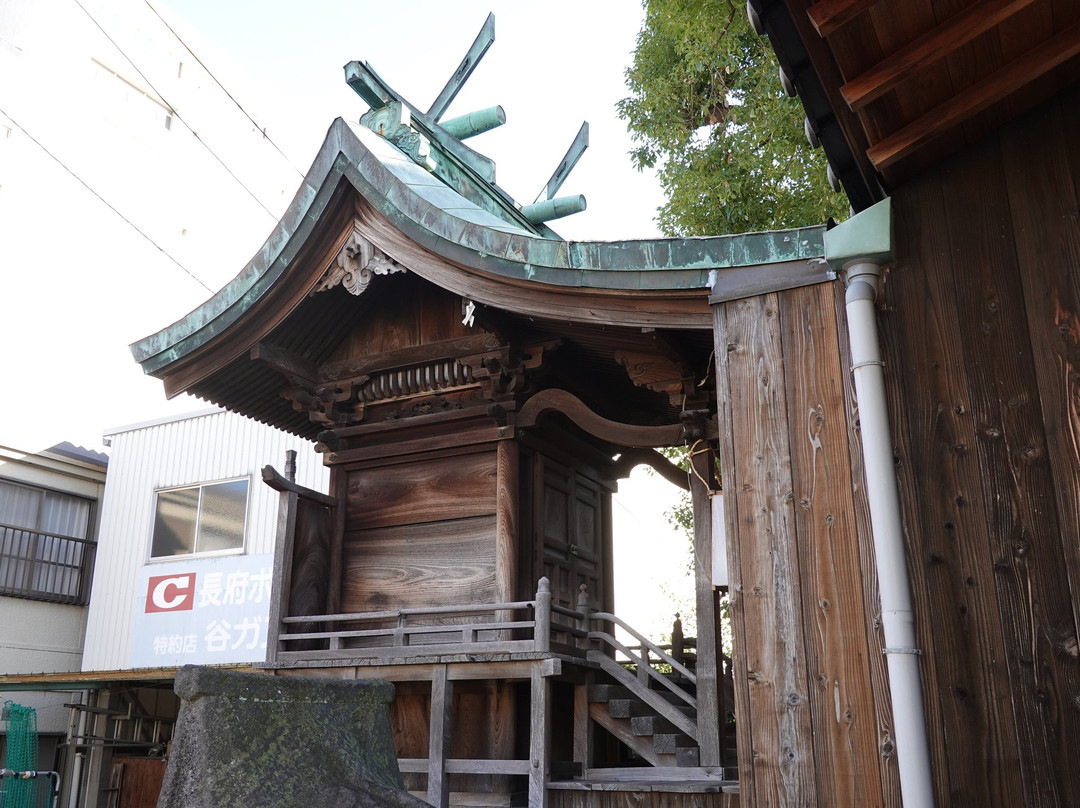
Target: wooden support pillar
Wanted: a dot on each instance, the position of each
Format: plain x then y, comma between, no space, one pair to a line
583,740
539,738
337,543
442,701
506,529
708,657
281,586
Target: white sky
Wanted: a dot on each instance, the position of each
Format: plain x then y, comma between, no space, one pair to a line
77,285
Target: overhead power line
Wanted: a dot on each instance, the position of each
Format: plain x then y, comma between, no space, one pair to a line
104,201
174,112
210,73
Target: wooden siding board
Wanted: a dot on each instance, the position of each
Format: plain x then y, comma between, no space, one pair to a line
439,563
1063,271
841,697
729,472
776,661
1041,192
1023,536
424,491
879,680
941,487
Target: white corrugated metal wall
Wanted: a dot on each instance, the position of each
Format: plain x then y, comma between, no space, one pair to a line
194,449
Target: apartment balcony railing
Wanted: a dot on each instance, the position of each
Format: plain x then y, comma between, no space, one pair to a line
45,566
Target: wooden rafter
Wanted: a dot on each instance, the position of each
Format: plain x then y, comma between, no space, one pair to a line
293,367
828,15
931,47
990,90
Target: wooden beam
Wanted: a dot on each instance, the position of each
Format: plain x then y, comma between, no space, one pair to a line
656,461
539,738
466,766
583,738
442,700
936,44
412,355
828,15
739,282
292,366
1014,76
709,717
281,584
279,483
612,431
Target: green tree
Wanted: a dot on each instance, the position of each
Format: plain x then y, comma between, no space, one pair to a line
708,108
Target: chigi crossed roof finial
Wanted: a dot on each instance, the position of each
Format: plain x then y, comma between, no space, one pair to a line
437,144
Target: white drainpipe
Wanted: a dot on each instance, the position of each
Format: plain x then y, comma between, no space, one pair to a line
901,649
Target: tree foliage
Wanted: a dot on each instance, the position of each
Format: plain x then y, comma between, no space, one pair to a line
708,108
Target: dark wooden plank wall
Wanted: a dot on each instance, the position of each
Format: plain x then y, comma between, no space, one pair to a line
421,533
807,666
981,327
417,314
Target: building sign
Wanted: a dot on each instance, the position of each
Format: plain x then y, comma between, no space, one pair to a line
202,611
170,593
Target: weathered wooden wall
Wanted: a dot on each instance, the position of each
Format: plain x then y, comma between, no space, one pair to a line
980,321
808,669
421,533
980,324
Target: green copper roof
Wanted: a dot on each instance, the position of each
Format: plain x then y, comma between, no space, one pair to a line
443,221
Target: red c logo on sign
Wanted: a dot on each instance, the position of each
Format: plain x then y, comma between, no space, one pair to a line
171,593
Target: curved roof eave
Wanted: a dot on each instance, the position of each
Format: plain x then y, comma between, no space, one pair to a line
443,222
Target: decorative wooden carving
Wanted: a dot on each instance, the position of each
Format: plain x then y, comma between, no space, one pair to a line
620,434
358,262
327,403
504,373
659,373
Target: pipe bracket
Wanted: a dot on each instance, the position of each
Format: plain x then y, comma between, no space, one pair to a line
867,362
916,651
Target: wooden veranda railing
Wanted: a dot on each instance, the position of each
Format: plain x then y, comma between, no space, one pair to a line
523,626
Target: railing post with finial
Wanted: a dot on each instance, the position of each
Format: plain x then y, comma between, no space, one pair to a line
542,630
584,610
677,641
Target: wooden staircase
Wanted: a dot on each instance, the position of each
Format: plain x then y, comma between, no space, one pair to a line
647,699
635,723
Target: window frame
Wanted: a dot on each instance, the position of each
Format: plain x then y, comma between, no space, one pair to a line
196,553
87,553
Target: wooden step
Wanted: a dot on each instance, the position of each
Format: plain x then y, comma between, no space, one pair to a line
667,742
600,693
628,708
650,725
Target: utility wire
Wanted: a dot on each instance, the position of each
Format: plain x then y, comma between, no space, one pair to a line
109,205
174,112
239,106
